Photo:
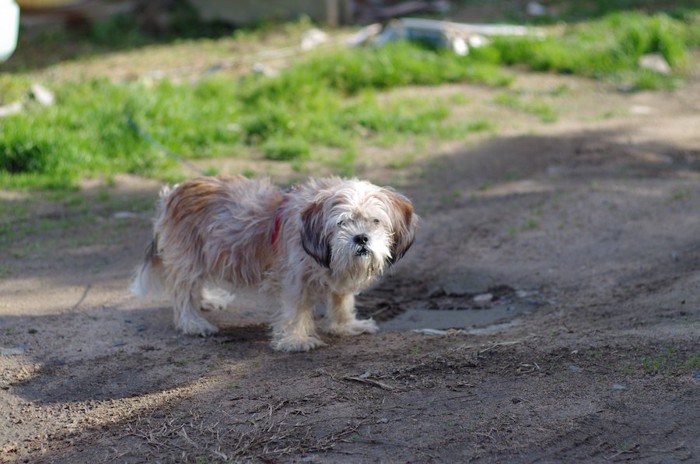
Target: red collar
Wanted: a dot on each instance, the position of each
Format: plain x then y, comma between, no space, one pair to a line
278,222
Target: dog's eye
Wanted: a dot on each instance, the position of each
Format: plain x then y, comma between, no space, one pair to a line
340,223
376,221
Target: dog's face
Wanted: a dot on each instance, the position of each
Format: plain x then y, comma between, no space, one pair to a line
358,229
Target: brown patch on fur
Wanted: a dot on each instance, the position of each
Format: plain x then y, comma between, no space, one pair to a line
403,222
313,237
152,253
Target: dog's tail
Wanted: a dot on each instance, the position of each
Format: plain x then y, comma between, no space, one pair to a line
149,275
148,279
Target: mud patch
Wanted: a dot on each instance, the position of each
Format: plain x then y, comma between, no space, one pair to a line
409,306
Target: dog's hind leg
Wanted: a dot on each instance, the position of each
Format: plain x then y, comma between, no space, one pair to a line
186,302
341,311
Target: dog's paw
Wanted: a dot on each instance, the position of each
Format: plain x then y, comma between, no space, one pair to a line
291,343
197,326
355,327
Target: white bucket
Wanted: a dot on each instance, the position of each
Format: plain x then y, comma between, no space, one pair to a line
9,26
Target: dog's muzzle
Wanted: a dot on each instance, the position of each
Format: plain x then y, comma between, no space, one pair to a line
361,242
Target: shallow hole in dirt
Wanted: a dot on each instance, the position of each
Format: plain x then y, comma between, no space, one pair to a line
395,308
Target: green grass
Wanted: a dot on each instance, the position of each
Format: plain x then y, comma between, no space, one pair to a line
534,106
331,101
328,100
608,48
670,362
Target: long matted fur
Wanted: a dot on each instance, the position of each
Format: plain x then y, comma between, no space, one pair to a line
323,241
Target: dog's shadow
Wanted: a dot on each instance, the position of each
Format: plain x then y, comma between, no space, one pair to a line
242,334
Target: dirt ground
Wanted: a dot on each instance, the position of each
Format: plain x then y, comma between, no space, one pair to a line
591,222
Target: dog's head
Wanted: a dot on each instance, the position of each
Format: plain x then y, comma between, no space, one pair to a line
357,229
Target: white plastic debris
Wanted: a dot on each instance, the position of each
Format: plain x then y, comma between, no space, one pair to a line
9,27
364,35
484,298
459,37
431,332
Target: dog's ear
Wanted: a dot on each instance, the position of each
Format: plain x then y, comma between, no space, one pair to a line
314,237
403,224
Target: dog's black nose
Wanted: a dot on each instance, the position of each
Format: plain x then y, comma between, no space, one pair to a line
361,239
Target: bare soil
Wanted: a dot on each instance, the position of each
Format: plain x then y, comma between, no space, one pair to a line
591,222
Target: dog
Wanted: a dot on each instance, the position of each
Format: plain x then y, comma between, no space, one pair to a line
323,241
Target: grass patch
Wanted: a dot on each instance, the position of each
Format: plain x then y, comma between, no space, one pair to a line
534,106
328,101
608,48
669,362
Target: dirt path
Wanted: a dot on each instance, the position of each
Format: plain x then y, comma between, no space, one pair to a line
593,221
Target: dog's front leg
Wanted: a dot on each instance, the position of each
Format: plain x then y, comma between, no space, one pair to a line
343,320
295,329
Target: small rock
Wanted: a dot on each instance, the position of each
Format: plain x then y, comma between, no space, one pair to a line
42,95
12,108
655,62
618,387
459,46
259,68
119,343
575,369
312,39
141,327
696,375
383,420
641,110
125,215
484,298
17,350
525,293
435,292
32,331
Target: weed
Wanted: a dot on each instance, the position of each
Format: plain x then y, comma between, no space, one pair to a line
681,194
402,161
669,361
485,186
530,224
652,365
450,198
692,363
102,196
